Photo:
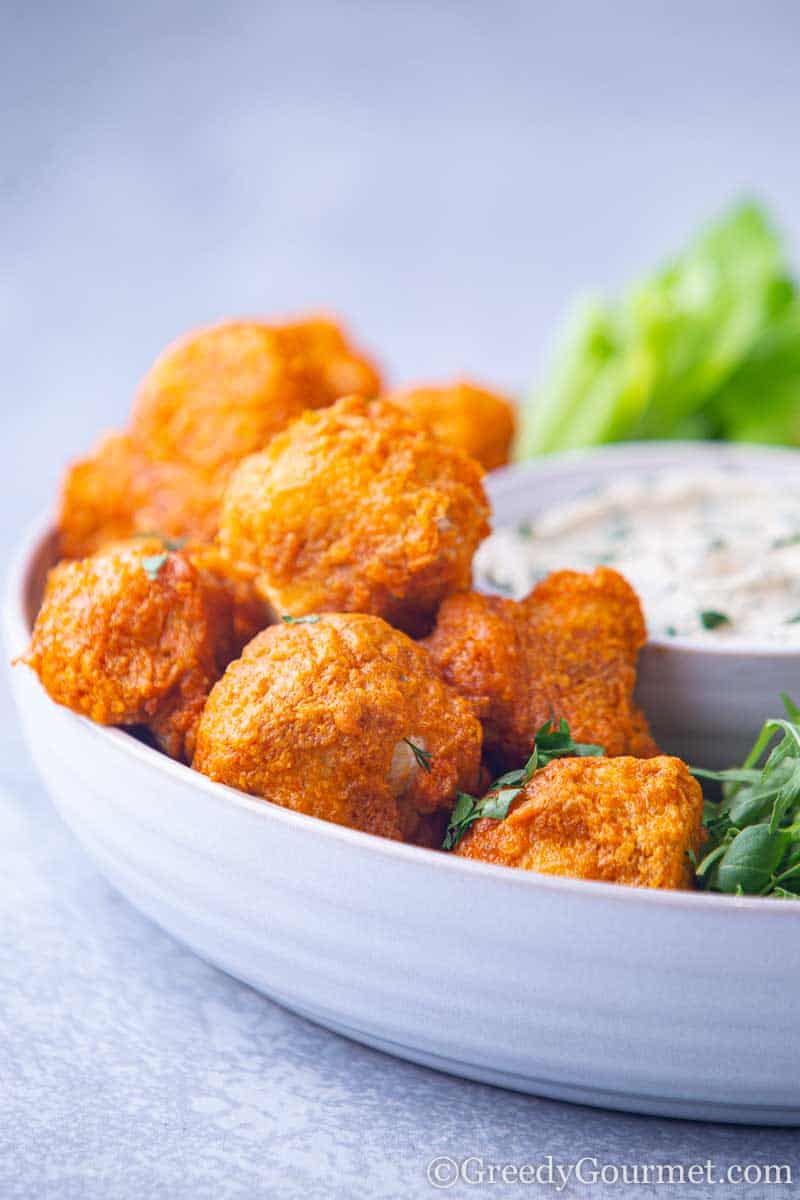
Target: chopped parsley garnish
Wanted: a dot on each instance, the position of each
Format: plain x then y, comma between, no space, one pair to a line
711,619
311,619
795,620
550,742
620,529
671,631
153,563
167,543
422,756
753,845
499,585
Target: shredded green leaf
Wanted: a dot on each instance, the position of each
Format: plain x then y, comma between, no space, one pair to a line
551,741
311,619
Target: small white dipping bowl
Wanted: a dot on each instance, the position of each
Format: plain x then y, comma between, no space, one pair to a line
705,702
675,1003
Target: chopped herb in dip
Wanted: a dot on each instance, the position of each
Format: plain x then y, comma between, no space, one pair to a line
711,619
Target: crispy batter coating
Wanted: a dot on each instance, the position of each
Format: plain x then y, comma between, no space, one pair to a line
100,495
319,343
356,509
313,716
117,491
250,612
568,650
213,397
123,648
620,820
218,394
471,418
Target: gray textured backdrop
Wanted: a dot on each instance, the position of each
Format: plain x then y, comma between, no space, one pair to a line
446,175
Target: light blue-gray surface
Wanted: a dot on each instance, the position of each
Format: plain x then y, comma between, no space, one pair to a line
446,175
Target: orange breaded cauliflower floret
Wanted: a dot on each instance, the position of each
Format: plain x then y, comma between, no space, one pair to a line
338,716
471,418
213,397
355,509
220,393
133,636
100,495
620,820
567,651
321,345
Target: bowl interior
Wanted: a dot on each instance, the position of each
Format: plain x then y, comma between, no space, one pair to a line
25,583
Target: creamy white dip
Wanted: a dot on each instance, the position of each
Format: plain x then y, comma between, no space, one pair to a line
712,556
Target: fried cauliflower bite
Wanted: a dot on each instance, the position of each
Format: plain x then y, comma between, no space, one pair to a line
100,495
321,344
620,820
471,418
117,492
133,636
315,715
219,394
213,397
567,651
355,509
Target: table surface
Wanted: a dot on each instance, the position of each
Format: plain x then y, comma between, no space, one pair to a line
447,176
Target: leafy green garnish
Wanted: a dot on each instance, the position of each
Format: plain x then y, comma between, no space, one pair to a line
153,563
422,756
753,845
551,741
706,347
167,543
711,619
311,619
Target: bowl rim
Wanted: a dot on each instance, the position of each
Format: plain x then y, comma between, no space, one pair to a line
508,479
16,636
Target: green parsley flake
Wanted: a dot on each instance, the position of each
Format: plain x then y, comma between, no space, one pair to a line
153,563
422,756
167,543
711,619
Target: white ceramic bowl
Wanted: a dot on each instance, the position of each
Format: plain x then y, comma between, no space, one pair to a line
706,703
658,1002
